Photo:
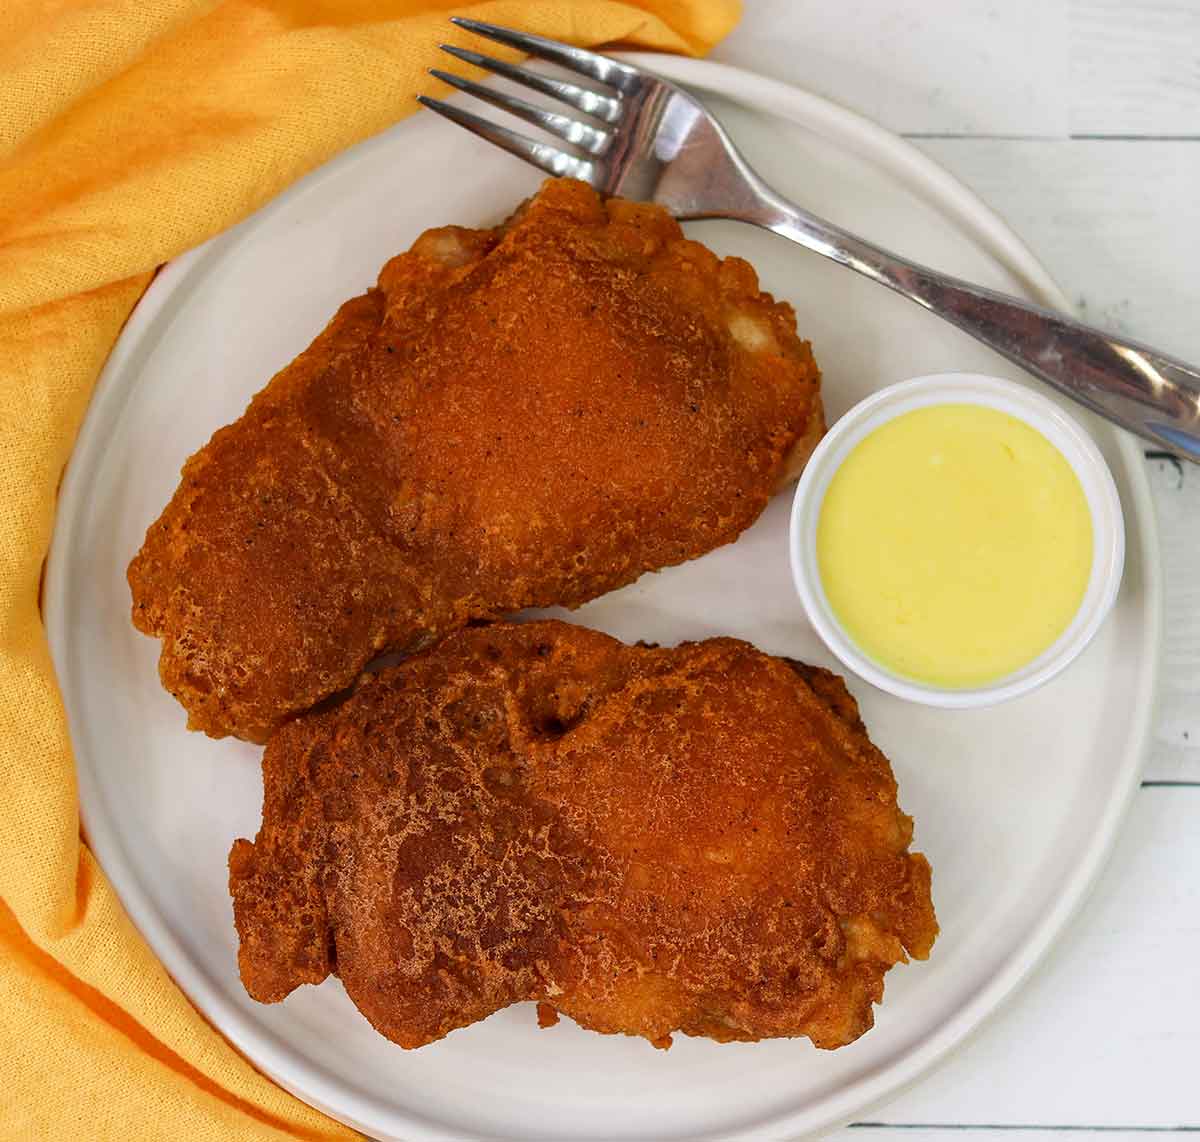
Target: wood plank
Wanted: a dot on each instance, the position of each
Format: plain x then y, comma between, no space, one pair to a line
1107,1032
1175,754
1045,68
1134,67
959,66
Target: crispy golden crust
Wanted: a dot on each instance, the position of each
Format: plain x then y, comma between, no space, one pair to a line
517,417
700,839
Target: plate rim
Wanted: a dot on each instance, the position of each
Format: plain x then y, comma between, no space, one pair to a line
936,185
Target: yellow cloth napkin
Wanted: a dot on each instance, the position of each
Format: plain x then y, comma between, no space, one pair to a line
131,130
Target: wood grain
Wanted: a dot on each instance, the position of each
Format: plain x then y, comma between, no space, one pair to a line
1134,68
1030,68
1175,754
923,67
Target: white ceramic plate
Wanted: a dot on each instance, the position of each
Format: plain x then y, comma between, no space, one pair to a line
1015,806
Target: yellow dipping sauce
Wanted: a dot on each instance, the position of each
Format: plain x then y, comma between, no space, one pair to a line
954,544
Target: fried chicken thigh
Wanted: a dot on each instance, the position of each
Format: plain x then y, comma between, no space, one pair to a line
701,839
525,416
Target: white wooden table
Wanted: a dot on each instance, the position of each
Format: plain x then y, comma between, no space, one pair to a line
1079,121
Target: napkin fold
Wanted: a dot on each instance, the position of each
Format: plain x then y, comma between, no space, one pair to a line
130,131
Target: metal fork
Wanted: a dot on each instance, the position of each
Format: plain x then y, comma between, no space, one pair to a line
639,136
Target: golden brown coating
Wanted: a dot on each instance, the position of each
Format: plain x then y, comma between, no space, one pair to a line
700,839
525,416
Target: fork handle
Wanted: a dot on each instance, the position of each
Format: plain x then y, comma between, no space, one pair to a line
1136,387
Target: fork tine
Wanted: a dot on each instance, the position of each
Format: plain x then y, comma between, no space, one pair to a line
592,103
598,67
582,135
542,155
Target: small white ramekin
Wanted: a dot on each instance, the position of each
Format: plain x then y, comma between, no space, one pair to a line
1108,528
